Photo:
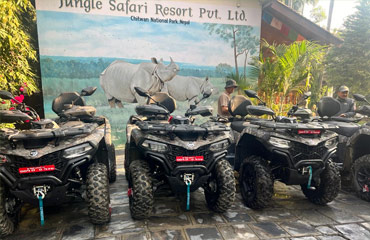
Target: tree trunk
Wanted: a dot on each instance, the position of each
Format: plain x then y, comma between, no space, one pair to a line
235,57
245,63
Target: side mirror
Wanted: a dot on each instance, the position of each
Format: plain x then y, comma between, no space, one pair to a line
6,95
359,97
207,93
141,92
88,91
251,93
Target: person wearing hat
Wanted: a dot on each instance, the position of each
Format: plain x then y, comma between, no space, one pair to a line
224,99
347,105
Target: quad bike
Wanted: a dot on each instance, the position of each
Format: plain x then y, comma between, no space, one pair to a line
282,149
53,162
164,150
354,145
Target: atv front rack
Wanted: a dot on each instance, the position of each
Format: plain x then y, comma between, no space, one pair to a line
181,128
14,135
293,126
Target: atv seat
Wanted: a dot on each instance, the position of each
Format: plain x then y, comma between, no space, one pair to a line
345,128
239,125
67,98
328,106
165,100
238,105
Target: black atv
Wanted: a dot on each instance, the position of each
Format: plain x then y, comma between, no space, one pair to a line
353,147
164,150
53,162
286,150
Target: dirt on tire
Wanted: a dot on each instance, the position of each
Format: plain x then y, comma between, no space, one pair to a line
97,192
142,198
224,195
256,182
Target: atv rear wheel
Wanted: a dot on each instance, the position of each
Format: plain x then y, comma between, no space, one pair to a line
7,221
220,190
112,164
256,183
361,177
142,197
127,162
327,189
97,192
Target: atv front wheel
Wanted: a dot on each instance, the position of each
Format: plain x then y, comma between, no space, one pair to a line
97,192
142,197
112,164
220,190
327,189
361,177
256,183
7,221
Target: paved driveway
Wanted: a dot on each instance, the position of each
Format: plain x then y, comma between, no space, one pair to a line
290,216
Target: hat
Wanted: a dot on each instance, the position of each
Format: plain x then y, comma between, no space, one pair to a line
343,88
231,83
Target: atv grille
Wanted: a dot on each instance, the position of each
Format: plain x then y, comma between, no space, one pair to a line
301,151
175,151
50,159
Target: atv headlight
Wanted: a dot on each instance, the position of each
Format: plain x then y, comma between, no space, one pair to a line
77,151
219,146
280,143
154,146
331,143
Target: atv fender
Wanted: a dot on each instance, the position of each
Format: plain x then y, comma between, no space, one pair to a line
249,144
357,146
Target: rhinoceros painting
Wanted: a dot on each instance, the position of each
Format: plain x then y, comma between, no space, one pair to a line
188,88
119,79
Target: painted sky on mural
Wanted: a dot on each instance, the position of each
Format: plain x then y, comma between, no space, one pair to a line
81,35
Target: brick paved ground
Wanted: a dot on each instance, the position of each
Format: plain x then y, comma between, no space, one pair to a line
290,216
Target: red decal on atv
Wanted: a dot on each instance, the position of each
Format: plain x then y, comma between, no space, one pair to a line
46,168
189,159
129,192
365,188
309,131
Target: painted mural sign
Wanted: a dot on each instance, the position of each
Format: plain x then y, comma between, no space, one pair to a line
180,47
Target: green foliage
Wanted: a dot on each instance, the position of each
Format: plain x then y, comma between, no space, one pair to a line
223,69
298,5
15,49
348,64
318,14
288,69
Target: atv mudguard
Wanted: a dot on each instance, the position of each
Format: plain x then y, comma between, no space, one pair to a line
243,146
356,146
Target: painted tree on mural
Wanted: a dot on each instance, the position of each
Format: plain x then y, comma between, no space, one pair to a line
241,39
349,63
16,51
